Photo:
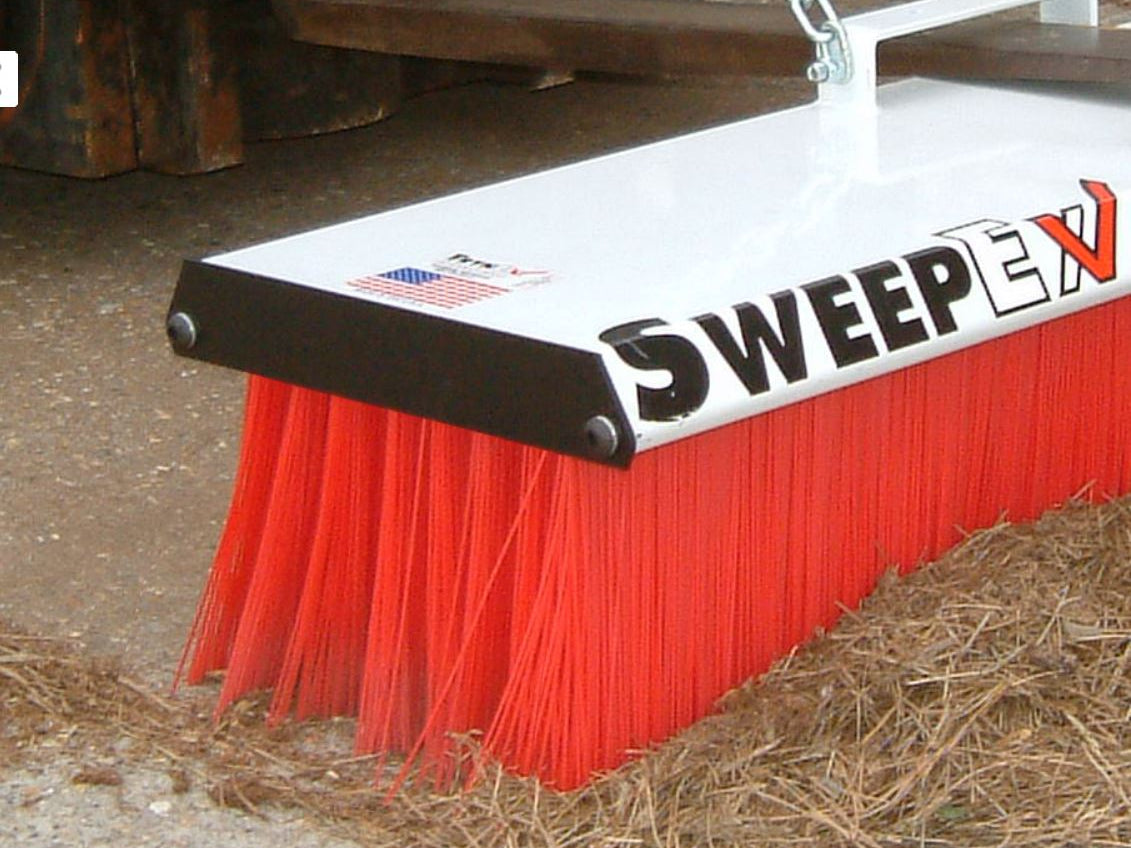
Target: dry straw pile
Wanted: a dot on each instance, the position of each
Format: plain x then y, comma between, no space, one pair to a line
981,701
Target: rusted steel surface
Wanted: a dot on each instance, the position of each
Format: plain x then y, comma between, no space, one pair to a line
186,94
75,115
111,85
1013,49
625,36
289,88
177,86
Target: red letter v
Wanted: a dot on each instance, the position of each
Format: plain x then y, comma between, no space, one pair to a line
1100,262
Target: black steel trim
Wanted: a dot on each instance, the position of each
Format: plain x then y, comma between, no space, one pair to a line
519,388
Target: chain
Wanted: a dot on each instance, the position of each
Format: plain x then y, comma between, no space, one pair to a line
833,62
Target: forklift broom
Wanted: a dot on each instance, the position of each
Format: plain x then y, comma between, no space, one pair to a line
561,460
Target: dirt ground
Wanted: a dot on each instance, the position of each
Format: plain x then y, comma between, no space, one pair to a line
116,458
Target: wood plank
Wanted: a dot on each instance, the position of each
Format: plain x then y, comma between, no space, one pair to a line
1013,49
625,36
684,37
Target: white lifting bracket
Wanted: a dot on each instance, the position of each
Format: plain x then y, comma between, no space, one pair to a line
845,63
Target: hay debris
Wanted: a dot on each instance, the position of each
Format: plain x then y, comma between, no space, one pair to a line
983,700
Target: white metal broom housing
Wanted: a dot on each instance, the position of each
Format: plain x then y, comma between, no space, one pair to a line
618,304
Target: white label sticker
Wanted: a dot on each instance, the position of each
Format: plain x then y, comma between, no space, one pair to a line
500,273
456,280
9,79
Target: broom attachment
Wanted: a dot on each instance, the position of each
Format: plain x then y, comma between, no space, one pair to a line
569,613
431,529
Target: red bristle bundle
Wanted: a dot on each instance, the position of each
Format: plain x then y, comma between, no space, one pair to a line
434,580
218,615
283,558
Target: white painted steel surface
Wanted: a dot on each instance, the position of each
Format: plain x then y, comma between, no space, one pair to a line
699,224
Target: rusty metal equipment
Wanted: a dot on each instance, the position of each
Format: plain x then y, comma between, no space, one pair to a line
112,85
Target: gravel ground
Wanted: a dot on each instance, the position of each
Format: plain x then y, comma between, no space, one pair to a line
42,806
116,458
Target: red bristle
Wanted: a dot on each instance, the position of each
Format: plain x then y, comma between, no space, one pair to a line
496,476
393,687
572,613
450,465
466,686
218,614
279,572
326,655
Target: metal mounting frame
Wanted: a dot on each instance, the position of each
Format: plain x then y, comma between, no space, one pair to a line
853,81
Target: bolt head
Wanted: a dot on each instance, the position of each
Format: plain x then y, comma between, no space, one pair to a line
602,436
817,72
181,330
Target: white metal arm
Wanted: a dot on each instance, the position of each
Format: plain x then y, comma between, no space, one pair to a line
846,49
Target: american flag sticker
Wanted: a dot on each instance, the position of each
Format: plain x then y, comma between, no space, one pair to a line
415,285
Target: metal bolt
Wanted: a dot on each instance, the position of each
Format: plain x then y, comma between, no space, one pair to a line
181,330
601,434
817,72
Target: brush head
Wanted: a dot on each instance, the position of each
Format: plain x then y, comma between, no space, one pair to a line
620,304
